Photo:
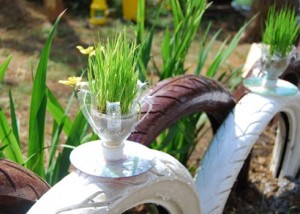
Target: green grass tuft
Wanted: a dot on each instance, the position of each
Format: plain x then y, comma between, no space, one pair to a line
281,31
112,72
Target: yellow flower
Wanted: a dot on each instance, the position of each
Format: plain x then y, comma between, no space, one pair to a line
72,81
90,50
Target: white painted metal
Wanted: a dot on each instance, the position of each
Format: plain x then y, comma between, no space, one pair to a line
168,183
232,144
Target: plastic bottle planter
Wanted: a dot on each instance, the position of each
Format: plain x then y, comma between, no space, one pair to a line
112,156
274,68
269,83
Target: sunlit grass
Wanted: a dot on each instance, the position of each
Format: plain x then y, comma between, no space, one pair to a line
112,72
281,31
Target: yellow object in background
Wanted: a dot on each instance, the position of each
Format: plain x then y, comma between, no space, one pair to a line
98,12
129,9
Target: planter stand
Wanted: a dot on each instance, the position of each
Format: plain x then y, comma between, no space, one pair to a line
270,84
96,159
262,86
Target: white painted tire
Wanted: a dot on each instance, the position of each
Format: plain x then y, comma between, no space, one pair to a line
234,140
168,184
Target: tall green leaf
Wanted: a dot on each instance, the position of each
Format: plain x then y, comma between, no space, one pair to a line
77,132
205,48
50,171
186,24
165,46
224,53
8,142
14,121
144,40
3,67
38,110
61,123
140,21
57,112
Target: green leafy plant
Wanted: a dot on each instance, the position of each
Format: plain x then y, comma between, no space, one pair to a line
186,23
144,38
175,47
112,72
282,30
180,139
56,165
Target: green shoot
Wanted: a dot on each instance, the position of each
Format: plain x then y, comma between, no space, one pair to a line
3,67
112,73
281,31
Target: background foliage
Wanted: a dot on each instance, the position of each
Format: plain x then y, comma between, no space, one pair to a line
52,161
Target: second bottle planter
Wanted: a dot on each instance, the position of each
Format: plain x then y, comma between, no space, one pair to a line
269,83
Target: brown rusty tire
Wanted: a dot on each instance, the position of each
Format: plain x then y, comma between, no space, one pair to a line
19,188
180,96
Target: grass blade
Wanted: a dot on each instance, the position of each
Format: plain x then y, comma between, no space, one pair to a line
3,67
14,121
38,110
77,132
165,48
57,112
140,21
8,142
57,130
145,43
205,49
223,55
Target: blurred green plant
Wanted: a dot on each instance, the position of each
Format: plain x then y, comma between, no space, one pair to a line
282,30
180,139
3,67
57,165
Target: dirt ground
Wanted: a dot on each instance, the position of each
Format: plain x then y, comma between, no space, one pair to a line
23,31
263,192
